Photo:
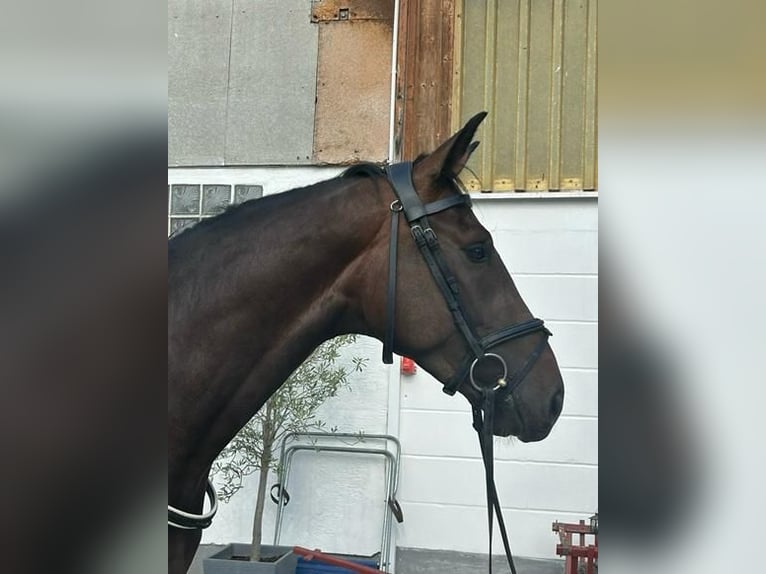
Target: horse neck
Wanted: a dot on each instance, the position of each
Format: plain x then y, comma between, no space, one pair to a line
252,301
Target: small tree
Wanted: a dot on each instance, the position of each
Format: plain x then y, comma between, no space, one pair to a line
291,409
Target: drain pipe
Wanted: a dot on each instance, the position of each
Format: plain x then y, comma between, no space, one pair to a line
392,114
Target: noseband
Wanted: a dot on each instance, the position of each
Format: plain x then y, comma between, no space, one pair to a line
416,213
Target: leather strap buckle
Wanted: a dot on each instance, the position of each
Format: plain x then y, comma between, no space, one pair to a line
418,235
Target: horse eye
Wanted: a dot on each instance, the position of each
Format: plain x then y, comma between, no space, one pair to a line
477,253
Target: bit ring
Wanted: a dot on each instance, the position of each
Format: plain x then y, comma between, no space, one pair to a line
501,382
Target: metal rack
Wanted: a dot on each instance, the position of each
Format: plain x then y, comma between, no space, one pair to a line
576,550
392,510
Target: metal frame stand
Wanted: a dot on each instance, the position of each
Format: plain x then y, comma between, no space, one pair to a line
391,511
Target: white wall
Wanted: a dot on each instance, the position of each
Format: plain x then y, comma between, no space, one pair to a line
550,246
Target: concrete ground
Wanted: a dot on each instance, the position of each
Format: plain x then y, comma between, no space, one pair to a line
414,561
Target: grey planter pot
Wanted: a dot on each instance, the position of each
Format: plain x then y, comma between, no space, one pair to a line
221,562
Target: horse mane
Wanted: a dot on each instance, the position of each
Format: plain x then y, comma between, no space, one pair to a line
364,169
231,212
367,169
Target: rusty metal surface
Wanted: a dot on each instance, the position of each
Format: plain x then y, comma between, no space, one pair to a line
352,10
532,65
353,91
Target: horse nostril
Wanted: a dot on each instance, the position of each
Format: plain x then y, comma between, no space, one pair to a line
557,403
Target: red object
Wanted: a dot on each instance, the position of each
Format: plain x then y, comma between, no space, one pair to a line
575,551
333,561
408,366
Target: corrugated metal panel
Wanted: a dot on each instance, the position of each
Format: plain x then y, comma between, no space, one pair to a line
532,65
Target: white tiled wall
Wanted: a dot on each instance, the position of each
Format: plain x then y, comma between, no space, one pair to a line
550,246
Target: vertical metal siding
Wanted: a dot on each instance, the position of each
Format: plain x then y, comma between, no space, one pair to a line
532,65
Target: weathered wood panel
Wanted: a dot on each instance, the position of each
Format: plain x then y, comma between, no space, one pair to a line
424,75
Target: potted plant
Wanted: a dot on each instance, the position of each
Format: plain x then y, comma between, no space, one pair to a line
291,409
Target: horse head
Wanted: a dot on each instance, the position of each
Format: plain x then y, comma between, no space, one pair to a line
457,310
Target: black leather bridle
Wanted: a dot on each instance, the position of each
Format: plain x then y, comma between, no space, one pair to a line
416,213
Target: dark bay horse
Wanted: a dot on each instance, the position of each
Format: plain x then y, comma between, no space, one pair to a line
254,290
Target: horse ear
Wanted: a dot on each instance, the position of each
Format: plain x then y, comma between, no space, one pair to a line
471,149
450,158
